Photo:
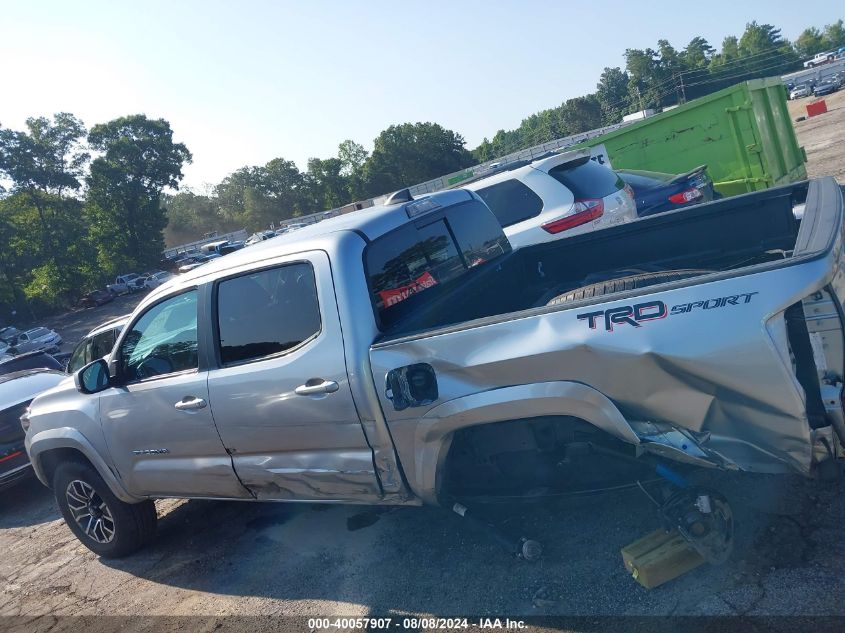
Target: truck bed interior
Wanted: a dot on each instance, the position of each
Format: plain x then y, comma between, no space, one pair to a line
723,235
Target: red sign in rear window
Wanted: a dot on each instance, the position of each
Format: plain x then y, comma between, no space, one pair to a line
393,296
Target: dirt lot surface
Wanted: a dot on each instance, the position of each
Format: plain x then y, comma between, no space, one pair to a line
241,559
822,136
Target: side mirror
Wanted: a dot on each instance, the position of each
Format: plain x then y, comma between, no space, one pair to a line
93,378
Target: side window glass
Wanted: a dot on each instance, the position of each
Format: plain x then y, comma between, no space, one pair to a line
163,340
266,312
102,344
81,356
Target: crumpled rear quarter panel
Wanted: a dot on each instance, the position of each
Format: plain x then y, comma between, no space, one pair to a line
723,373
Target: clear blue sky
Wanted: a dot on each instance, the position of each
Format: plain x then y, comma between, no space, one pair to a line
244,82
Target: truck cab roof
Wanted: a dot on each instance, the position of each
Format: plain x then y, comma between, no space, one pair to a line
370,224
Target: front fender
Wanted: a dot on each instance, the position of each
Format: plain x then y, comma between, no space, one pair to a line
66,437
434,432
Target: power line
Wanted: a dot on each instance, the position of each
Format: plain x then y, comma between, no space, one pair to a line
772,52
747,72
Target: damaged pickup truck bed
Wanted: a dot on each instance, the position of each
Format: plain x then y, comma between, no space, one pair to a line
405,354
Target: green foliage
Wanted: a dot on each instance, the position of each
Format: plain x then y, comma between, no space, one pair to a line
255,197
810,42
139,159
410,153
46,251
612,94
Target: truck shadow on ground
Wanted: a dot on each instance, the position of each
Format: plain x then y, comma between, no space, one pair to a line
426,560
27,503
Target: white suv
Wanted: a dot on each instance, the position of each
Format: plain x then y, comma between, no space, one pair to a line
550,198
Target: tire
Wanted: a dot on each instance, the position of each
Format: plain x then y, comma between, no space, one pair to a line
630,282
118,529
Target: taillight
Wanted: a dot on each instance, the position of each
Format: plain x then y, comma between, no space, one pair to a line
686,196
582,212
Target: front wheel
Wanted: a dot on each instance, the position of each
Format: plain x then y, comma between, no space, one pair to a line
103,523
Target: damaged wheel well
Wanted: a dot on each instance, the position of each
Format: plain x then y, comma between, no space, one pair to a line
515,457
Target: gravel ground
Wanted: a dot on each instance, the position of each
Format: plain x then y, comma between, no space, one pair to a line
822,136
240,559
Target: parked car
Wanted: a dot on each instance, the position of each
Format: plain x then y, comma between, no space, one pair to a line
656,192
123,284
39,338
408,355
260,236
826,86
30,360
197,261
287,228
156,279
9,334
799,91
16,392
554,197
96,344
96,298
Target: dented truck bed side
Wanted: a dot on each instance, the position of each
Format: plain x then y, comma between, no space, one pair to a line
707,370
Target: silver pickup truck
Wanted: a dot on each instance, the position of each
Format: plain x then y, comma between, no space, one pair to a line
406,354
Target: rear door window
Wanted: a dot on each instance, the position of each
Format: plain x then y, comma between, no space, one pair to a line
586,179
266,312
511,201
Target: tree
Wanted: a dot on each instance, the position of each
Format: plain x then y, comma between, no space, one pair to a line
45,163
612,95
139,159
191,214
48,157
328,184
352,157
697,54
834,35
649,76
758,38
810,42
578,115
411,153
256,197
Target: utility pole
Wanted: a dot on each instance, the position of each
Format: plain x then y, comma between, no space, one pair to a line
640,97
683,93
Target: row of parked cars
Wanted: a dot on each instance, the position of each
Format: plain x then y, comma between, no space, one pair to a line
207,252
125,284
811,87
29,373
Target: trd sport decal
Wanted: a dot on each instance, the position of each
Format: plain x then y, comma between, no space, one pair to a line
639,313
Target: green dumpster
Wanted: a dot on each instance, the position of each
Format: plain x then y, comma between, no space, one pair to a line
743,134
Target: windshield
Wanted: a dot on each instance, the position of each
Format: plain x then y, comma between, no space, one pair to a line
38,332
